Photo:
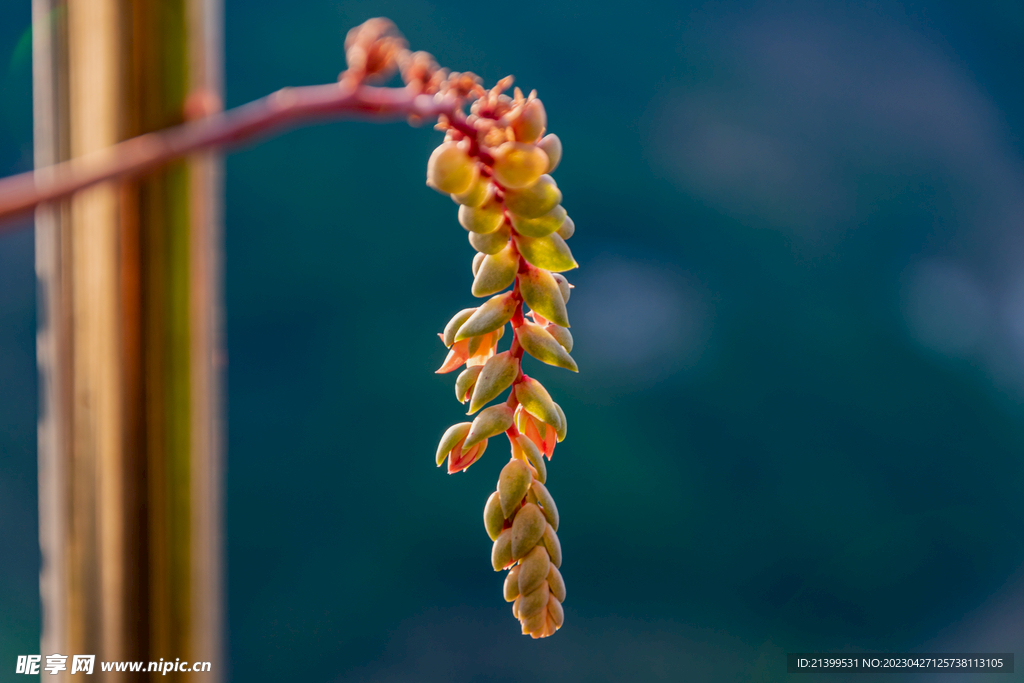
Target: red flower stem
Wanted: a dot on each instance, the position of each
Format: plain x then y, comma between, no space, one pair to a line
274,113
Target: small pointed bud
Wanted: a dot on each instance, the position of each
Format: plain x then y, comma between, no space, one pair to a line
481,344
450,169
563,286
552,545
533,569
494,313
453,435
567,229
541,293
534,624
511,587
501,551
456,357
494,520
533,456
478,194
555,610
454,324
560,334
535,200
515,606
535,601
466,381
542,226
556,583
490,243
552,146
490,422
460,459
561,429
513,483
550,253
542,346
495,378
547,504
518,164
527,529
536,400
477,260
497,272
484,220
531,122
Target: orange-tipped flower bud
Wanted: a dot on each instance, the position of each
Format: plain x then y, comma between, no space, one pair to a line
513,483
531,122
536,400
454,324
460,459
450,169
535,200
466,381
541,293
552,147
453,436
541,226
518,164
497,272
456,357
496,377
542,435
550,253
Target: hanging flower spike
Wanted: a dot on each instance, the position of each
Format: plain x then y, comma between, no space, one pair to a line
496,165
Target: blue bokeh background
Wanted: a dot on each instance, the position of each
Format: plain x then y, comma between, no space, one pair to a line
799,319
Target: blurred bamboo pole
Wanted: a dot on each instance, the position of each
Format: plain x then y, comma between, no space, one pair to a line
129,340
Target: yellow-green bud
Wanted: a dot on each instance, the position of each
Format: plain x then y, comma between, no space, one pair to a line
533,569
567,229
556,583
490,422
490,243
552,146
561,335
454,324
541,293
494,520
452,436
541,345
550,253
523,445
511,587
483,220
561,429
501,551
535,601
527,529
496,377
555,610
552,545
536,400
563,286
535,200
513,483
450,170
518,164
466,381
541,226
497,272
477,260
547,503
478,194
531,122
494,313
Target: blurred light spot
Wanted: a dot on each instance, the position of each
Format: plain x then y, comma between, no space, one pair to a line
945,309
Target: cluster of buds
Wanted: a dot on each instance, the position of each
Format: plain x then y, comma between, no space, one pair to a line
496,164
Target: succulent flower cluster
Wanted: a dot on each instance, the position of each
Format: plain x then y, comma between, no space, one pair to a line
496,165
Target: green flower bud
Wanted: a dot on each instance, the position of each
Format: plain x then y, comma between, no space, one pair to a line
555,610
533,569
477,260
452,436
494,313
527,529
497,272
496,377
483,220
542,346
534,602
541,226
563,286
513,483
454,324
490,422
490,243
478,194
541,293
531,122
567,229
511,587
450,170
494,520
556,584
547,503
535,200
550,253
552,146
552,545
529,450
466,381
518,164
561,335
501,551
562,428
536,400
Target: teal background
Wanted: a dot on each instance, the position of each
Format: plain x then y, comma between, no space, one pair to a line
799,320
